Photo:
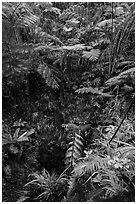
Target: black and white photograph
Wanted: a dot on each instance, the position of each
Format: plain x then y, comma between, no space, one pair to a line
68,101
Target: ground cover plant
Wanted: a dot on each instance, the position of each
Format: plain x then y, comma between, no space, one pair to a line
68,101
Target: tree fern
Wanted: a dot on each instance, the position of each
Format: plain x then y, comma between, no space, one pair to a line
74,150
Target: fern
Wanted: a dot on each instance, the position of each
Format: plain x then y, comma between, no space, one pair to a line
122,78
50,74
93,91
101,42
52,10
105,23
125,64
76,47
74,11
21,13
74,151
128,151
91,164
126,28
92,55
111,182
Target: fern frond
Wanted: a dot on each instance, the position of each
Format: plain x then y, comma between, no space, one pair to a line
105,23
130,71
111,182
100,42
90,165
91,55
127,151
53,9
122,78
125,64
74,151
74,47
93,91
74,11
50,74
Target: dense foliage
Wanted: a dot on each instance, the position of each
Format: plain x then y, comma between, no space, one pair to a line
68,90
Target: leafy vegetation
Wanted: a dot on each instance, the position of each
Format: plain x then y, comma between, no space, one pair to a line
68,92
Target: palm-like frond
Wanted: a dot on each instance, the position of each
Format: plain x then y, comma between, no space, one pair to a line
91,55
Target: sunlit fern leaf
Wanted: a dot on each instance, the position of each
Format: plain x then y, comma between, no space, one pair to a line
67,29
54,38
91,55
53,9
115,81
74,151
101,41
93,91
43,48
75,47
26,21
78,142
90,165
130,71
123,77
124,64
127,151
25,136
73,22
111,182
105,23
74,11
50,74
